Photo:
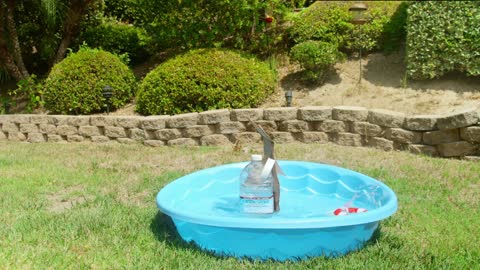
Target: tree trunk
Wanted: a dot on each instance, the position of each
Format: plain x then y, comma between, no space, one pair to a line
5,55
75,13
12,31
10,64
62,49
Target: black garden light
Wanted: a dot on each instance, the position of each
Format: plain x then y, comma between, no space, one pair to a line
289,97
107,94
358,18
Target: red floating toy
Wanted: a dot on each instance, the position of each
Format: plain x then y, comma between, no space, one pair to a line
342,211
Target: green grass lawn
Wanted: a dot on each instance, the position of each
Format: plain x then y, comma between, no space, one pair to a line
93,206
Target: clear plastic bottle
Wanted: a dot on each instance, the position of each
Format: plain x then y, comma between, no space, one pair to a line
256,192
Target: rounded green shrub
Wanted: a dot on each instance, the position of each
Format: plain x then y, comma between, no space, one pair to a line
205,79
75,85
316,58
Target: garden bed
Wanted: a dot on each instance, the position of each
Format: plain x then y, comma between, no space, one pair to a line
382,87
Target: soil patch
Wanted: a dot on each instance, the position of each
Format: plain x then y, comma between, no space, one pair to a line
382,86
66,199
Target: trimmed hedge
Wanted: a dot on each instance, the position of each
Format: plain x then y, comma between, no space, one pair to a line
119,38
443,36
75,85
329,21
205,79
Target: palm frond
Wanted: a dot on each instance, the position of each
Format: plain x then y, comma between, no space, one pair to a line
50,8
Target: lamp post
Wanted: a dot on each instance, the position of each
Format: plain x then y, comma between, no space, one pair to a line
358,18
289,97
107,94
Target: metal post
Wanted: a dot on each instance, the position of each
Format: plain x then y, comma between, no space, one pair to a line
358,12
360,54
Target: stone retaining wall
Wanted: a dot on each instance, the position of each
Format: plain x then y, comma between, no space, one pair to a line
453,135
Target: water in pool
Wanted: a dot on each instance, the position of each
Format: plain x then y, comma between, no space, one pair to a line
304,197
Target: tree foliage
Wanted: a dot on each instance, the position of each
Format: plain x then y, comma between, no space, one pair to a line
35,34
119,38
188,24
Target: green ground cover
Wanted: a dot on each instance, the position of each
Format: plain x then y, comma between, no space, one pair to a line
76,206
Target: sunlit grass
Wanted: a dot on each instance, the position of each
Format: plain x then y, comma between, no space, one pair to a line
93,206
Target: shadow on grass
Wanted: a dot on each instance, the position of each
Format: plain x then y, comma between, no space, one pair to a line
392,241
375,237
164,230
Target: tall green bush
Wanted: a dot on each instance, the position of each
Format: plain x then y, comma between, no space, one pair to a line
205,79
316,58
298,3
394,31
119,38
191,24
123,10
75,85
443,36
329,21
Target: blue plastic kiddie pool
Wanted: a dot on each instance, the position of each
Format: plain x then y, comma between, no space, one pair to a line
204,206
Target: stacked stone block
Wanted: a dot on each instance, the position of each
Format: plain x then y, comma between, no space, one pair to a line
451,135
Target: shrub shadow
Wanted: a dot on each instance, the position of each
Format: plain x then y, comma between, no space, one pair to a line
384,70
453,81
296,81
389,71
